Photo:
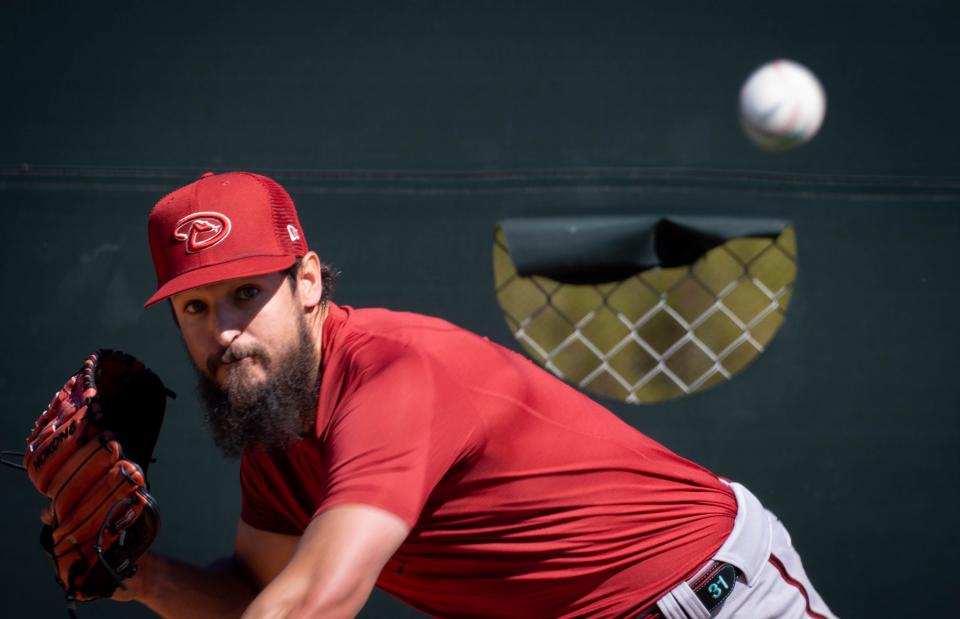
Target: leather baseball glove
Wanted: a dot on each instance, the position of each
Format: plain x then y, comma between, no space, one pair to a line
89,453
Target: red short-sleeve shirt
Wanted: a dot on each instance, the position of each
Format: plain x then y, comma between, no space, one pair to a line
525,498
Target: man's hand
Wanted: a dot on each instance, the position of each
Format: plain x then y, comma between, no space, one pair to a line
334,567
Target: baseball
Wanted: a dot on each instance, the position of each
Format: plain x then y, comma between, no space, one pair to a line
782,105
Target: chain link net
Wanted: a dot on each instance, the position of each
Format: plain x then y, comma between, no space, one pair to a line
660,334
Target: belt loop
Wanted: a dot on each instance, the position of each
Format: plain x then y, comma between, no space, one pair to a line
689,602
670,608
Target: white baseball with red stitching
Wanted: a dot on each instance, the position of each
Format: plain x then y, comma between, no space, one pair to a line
782,105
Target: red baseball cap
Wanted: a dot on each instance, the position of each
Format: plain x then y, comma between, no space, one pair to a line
220,227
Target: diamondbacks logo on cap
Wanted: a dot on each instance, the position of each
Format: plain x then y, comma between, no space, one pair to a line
202,230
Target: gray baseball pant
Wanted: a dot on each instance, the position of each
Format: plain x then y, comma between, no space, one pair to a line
770,582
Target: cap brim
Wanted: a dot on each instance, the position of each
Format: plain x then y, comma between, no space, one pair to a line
244,267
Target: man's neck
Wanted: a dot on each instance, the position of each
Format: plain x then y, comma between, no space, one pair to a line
315,324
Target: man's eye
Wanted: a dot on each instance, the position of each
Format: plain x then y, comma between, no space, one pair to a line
194,307
247,292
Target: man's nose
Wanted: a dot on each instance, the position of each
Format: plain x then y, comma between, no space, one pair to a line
227,324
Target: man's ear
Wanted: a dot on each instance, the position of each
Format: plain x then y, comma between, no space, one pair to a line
310,281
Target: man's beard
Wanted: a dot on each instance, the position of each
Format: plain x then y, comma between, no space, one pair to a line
271,415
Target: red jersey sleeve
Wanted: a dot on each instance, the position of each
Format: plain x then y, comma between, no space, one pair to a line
392,439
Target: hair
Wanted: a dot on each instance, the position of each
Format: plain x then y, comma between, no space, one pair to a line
273,415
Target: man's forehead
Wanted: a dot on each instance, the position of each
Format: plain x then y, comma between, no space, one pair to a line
267,280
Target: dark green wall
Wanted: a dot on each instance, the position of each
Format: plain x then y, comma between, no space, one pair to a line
461,116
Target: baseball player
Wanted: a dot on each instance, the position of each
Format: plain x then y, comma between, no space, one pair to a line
392,449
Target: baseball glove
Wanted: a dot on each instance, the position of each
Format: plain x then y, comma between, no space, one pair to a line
89,453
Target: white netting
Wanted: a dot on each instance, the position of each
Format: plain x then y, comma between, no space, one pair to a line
659,334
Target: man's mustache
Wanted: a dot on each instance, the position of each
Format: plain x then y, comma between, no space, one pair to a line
232,354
